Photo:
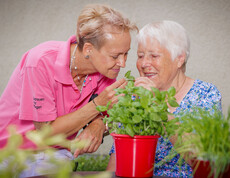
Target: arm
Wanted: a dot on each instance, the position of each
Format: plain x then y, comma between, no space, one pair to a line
112,163
73,122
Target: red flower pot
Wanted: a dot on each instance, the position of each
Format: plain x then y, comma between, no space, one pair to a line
204,170
135,155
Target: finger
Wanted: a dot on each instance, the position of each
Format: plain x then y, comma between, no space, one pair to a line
123,85
142,81
138,83
117,84
115,99
82,152
91,149
120,95
96,147
85,149
139,79
76,153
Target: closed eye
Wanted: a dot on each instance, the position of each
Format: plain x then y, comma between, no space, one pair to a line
154,56
140,56
114,57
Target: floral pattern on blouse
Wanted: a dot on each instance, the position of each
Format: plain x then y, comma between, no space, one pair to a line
201,94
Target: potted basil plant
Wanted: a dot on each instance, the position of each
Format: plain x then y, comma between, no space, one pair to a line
204,139
136,122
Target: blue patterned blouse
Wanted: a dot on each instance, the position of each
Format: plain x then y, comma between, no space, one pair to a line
201,94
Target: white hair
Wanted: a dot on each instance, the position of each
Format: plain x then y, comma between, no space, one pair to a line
169,34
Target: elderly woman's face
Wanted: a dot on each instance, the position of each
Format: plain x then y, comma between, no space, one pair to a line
112,55
154,62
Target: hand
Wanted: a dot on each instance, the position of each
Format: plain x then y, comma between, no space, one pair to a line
109,94
94,134
144,82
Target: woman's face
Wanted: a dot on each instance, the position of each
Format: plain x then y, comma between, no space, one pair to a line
154,62
112,55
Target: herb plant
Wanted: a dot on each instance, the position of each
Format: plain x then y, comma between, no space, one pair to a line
140,111
205,135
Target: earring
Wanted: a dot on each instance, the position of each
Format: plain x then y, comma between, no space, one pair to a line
87,57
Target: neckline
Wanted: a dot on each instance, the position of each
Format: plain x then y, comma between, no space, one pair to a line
193,85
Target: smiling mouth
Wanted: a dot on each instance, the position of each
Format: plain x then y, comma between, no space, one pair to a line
150,75
116,70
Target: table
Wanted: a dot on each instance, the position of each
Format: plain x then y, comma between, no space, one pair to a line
84,173
113,174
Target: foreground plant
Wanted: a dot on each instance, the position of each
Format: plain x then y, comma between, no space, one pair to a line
140,111
205,136
13,159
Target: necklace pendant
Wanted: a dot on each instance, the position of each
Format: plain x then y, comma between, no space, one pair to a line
75,67
78,77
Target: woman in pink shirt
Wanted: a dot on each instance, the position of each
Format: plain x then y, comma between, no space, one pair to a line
55,80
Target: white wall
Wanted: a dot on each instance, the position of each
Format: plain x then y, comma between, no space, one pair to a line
26,23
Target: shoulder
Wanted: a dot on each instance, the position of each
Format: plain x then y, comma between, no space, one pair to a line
202,94
44,50
205,89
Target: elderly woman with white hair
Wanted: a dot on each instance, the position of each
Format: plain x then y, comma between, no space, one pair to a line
163,50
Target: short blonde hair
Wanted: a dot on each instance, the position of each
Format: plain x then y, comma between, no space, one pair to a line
92,22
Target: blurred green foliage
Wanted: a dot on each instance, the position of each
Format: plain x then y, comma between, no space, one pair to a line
92,162
13,159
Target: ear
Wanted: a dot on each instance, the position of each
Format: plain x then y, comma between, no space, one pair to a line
180,60
87,49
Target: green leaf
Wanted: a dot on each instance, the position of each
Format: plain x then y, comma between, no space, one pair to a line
171,91
163,95
144,101
107,106
127,74
155,117
157,93
140,111
136,104
125,101
120,91
101,108
129,130
154,124
164,117
130,84
173,103
136,129
160,130
137,119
